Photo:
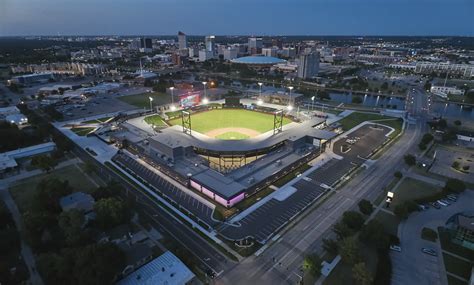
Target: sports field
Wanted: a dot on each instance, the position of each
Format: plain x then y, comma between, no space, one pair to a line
231,124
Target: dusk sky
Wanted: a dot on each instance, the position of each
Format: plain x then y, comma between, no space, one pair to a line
231,17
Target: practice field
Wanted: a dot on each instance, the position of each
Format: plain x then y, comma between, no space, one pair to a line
231,123
143,100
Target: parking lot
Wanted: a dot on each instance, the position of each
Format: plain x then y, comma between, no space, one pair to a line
184,200
444,161
265,220
272,215
100,104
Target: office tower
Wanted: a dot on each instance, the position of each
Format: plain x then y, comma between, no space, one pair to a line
182,44
146,45
308,65
255,45
209,41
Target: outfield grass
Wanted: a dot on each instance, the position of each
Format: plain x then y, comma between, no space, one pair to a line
412,189
230,118
232,136
143,101
23,191
155,120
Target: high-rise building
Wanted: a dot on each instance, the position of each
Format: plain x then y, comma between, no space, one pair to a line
146,45
269,51
288,52
209,41
182,43
230,53
255,45
308,65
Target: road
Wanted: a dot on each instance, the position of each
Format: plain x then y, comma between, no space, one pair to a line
281,262
211,258
411,266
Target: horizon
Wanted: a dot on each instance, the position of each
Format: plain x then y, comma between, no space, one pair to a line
262,17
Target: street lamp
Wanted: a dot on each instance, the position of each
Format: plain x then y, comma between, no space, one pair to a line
291,88
289,107
172,96
151,103
312,103
205,101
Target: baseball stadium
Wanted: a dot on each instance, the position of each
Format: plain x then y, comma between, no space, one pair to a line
227,151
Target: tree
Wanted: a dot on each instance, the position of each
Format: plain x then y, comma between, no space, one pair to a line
353,220
384,86
404,209
455,165
349,250
45,162
457,123
366,207
98,264
342,230
427,138
361,274
410,160
312,263
398,174
110,212
48,192
330,246
449,136
455,185
71,223
357,100
374,234
427,85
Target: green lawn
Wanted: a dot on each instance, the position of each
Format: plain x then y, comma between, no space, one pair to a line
455,281
155,120
412,189
97,121
22,192
232,136
82,131
230,118
457,266
356,118
143,101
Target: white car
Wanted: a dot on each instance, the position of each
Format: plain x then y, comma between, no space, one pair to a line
395,248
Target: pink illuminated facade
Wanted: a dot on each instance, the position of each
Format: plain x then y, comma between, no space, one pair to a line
215,197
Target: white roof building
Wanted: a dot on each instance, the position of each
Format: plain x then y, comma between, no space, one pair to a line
166,269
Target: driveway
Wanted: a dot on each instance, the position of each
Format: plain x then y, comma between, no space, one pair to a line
411,266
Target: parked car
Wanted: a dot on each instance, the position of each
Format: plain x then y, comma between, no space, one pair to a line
422,207
435,205
395,248
429,251
452,198
445,201
442,203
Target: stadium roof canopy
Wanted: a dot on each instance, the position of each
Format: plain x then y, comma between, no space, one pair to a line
258,60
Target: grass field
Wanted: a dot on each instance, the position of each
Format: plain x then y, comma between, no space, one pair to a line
412,189
230,118
142,100
82,131
155,120
23,191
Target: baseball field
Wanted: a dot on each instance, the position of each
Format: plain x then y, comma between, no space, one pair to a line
231,124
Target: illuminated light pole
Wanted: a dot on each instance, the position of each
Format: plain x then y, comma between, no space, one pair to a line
260,101
151,103
205,92
172,98
312,103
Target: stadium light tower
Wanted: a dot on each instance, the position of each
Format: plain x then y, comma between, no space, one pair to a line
312,103
290,101
260,101
151,103
173,107
205,91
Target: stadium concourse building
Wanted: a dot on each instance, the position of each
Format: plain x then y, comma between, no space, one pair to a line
228,171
